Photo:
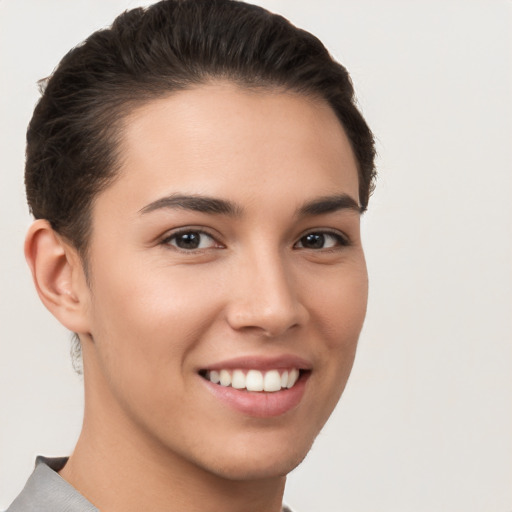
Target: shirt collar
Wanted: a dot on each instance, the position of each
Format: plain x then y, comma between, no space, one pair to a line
46,491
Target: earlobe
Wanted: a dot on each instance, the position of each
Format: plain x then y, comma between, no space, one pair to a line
58,276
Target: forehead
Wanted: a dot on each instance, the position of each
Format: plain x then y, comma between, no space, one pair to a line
221,139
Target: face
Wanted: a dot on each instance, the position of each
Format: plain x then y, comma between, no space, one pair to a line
228,282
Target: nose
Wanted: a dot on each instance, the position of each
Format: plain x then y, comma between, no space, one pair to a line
264,296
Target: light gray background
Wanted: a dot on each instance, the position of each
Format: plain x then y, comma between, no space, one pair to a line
425,423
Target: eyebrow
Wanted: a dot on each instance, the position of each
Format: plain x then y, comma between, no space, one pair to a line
329,204
196,203
213,205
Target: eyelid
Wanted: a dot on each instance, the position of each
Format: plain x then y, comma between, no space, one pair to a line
170,235
344,239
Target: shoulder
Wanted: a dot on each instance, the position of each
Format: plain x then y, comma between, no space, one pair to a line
46,491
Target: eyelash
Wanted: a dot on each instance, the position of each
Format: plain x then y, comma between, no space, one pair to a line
341,240
167,240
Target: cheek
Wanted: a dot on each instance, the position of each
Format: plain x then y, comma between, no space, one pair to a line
338,309
338,303
145,326
153,317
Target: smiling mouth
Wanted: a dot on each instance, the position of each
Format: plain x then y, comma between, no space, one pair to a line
268,381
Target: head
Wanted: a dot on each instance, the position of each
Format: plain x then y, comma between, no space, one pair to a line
226,137
73,137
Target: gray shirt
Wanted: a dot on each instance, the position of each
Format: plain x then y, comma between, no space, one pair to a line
46,491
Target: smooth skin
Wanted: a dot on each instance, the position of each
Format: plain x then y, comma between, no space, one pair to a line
173,290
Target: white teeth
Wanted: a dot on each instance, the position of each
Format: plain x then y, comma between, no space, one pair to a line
214,377
225,378
272,381
239,380
292,378
255,380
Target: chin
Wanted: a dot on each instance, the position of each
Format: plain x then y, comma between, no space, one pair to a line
249,471
258,464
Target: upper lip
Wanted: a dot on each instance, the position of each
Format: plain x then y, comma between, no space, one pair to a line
261,363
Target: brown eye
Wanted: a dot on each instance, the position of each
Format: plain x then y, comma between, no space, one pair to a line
313,241
191,240
321,240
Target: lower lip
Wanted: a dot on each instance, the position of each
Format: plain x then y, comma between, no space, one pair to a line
260,404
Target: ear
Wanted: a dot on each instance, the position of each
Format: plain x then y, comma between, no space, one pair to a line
58,276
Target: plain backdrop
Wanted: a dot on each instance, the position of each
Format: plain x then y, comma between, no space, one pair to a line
425,423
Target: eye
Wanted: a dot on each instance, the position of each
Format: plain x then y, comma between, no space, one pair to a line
321,240
191,240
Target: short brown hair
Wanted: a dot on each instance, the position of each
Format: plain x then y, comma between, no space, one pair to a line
148,53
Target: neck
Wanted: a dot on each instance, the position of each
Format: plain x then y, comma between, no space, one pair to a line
116,482
117,467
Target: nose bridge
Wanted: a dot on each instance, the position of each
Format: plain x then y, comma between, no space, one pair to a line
265,296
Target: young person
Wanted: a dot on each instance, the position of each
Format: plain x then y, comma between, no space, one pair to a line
197,173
